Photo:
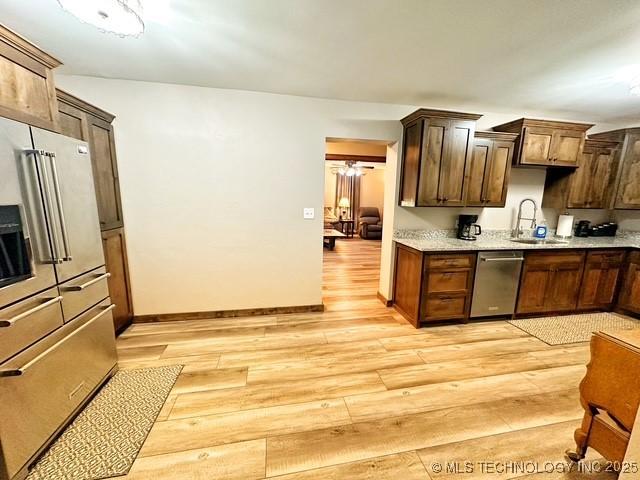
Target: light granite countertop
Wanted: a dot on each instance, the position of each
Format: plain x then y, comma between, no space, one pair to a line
440,242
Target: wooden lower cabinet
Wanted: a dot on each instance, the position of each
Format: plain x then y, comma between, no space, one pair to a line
601,279
115,253
630,292
550,282
433,287
447,286
408,283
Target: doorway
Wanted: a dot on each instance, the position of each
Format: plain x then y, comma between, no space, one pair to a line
354,183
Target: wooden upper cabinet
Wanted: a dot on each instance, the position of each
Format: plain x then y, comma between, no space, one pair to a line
536,146
84,121
628,182
27,90
490,169
436,158
105,172
411,164
546,143
591,185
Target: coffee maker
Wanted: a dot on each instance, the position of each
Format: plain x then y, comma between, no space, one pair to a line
467,227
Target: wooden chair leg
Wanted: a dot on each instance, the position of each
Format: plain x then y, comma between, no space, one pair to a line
581,436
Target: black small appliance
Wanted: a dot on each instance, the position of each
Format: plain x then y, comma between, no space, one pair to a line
467,227
14,256
582,228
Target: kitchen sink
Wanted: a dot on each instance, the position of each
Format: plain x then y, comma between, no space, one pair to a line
533,241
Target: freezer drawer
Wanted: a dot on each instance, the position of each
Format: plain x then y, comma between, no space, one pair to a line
496,284
84,292
26,322
43,386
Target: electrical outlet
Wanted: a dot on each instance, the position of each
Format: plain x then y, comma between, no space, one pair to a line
309,213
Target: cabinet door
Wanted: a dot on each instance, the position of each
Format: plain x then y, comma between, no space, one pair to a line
27,91
411,164
602,178
105,172
536,146
115,253
629,187
630,292
533,289
564,288
72,121
408,283
454,168
480,159
497,174
580,190
599,284
566,147
434,152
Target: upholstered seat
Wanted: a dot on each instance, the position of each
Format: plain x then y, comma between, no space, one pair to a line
369,226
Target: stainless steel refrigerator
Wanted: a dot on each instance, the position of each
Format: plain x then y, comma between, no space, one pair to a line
57,342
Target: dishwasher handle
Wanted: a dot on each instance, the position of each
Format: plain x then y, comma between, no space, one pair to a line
502,259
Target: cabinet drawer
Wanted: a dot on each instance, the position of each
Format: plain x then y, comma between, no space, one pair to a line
443,282
49,381
445,307
544,259
613,257
450,261
84,292
28,321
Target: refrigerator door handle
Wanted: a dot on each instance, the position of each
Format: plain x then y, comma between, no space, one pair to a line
46,193
63,224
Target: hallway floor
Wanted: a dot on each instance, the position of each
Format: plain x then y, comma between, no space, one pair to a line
355,392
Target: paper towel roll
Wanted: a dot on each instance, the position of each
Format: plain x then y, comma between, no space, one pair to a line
565,226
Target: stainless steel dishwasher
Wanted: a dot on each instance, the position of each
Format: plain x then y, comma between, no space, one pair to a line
496,283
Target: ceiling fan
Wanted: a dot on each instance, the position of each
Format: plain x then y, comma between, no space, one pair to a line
350,169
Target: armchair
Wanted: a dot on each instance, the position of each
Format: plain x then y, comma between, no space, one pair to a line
369,226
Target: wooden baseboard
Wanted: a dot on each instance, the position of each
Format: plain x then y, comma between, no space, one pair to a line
387,303
246,312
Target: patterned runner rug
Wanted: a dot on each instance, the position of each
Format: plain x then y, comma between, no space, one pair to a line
105,438
573,328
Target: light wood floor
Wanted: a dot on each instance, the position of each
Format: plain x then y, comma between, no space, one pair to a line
355,392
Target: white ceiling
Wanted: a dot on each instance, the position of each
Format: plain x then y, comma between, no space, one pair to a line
543,55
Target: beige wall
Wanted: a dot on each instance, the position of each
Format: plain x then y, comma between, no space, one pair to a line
214,182
372,188
329,186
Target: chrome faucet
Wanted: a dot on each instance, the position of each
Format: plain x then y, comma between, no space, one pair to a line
518,230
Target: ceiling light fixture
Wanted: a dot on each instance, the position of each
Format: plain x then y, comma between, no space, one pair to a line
634,86
122,17
350,169
630,75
